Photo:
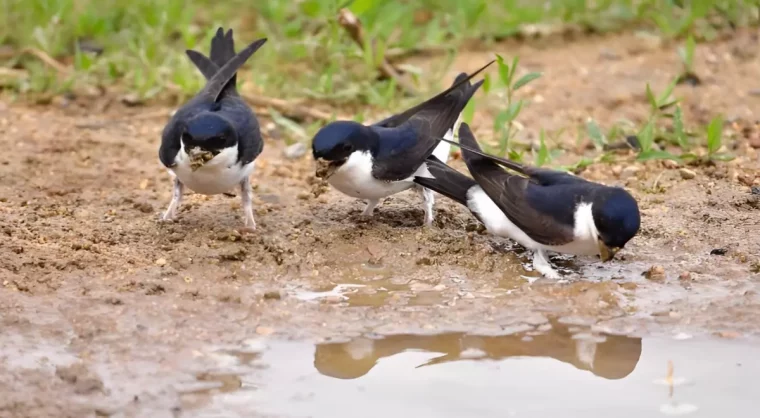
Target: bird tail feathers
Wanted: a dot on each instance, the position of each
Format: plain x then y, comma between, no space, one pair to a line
446,181
220,68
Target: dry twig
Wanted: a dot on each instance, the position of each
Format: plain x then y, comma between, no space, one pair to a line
290,110
47,59
353,26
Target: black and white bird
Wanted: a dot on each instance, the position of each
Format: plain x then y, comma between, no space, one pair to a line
543,210
211,142
377,161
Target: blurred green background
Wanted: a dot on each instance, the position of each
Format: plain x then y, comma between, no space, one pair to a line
138,45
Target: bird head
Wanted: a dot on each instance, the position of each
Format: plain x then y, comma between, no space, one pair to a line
335,142
209,132
617,219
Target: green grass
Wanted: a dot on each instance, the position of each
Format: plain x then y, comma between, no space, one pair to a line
310,56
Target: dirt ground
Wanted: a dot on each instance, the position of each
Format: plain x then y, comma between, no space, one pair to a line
101,306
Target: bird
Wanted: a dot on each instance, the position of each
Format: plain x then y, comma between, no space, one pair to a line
376,161
211,142
541,209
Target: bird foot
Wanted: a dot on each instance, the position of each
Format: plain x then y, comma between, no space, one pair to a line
247,230
542,265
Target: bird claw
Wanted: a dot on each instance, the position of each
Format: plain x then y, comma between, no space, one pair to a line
167,218
247,230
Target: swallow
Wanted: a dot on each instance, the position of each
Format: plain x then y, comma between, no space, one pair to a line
211,142
541,209
376,161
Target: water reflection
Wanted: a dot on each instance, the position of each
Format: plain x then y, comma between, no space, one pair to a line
606,356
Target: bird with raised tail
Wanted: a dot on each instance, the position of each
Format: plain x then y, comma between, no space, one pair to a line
211,142
376,161
541,209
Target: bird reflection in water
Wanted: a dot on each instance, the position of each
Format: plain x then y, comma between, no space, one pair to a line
607,356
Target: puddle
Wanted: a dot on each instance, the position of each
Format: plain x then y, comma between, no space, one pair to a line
373,285
543,371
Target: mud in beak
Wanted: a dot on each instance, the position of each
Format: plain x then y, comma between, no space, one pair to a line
325,168
199,157
606,253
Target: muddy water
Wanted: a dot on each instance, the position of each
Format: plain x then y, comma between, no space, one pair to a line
553,370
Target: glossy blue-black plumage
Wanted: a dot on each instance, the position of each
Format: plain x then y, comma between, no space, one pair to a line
401,143
544,203
217,117
337,140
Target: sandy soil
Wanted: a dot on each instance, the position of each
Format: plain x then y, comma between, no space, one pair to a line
100,305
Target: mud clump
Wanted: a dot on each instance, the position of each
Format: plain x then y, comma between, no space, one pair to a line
81,377
199,157
655,273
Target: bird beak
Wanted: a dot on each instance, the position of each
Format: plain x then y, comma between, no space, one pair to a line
606,253
325,168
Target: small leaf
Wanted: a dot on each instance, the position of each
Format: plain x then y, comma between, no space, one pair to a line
714,135
668,105
514,155
512,70
650,97
656,155
514,110
469,112
543,152
646,137
503,70
500,120
595,134
527,78
722,157
678,130
689,53
487,83
661,101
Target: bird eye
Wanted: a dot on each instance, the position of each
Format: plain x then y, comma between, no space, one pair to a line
347,147
185,136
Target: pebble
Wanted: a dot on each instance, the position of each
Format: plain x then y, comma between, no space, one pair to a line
728,334
754,92
685,276
609,54
161,262
656,273
262,330
755,190
273,295
670,164
629,172
687,174
131,99
295,151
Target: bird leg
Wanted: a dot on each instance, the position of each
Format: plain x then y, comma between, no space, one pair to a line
429,200
542,265
247,203
371,204
177,189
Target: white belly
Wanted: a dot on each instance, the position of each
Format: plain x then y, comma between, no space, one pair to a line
354,178
585,242
219,175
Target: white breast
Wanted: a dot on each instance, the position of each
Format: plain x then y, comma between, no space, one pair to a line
219,175
354,178
443,149
585,232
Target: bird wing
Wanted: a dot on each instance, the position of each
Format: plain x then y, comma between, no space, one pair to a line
512,194
436,102
408,138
